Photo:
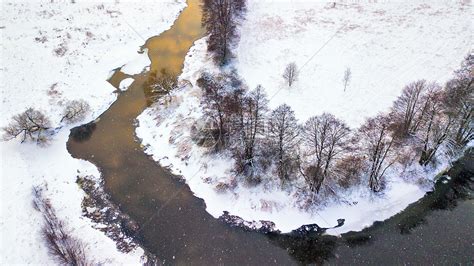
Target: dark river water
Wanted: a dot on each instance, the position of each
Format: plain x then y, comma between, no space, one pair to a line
175,226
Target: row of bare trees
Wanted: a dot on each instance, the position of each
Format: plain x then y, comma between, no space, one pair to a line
220,18
425,118
434,115
261,139
241,121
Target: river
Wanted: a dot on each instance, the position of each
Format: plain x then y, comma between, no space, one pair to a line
175,226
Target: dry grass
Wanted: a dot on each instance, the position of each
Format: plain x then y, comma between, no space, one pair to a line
65,249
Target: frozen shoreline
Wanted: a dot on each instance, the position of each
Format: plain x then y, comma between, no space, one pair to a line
53,53
165,128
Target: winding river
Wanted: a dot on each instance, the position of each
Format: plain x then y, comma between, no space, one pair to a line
175,226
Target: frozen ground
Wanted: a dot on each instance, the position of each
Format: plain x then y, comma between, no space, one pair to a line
387,45
52,52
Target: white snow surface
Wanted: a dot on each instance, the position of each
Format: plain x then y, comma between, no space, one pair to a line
52,52
125,83
139,64
387,45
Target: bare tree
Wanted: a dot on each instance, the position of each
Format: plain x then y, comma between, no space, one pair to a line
347,78
214,94
283,132
326,137
408,110
290,74
459,103
250,124
220,101
28,123
75,110
437,126
376,143
164,82
220,20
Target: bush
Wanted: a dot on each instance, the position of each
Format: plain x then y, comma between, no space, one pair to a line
223,187
75,111
349,170
28,123
205,133
65,249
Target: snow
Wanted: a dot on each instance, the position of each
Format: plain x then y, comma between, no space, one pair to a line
53,52
386,45
139,64
30,165
125,83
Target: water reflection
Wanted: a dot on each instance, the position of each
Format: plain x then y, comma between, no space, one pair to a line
455,186
174,224
314,249
439,228
84,132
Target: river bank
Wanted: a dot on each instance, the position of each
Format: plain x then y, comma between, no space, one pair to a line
53,53
173,222
165,128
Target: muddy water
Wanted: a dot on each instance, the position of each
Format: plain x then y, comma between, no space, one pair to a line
437,229
174,223
176,227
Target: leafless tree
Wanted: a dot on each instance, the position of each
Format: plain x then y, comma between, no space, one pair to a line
213,101
436,127
376,142
290,74
27,124
408,110
326,137
459,103
164,82
220,20
283,132
250,124
219,103
347,78
66,249
75,111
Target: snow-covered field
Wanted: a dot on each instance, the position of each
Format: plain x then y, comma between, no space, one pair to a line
52,52
386,45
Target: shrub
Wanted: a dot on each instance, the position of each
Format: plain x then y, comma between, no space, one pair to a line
64,248
31,123
349,170
75,111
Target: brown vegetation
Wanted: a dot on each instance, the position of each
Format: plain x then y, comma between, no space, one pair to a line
64,248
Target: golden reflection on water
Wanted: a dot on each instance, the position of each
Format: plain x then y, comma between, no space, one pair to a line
133,180
175,224
169,49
